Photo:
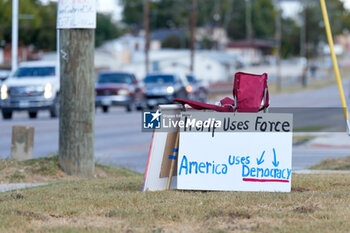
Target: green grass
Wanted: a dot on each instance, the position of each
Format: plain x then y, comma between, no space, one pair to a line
312,85
333,164
315,128
302,139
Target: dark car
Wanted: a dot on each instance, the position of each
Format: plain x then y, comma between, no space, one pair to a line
196,89
118,89
163,88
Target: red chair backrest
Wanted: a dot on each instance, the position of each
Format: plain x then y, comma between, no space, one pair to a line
248,91
200,106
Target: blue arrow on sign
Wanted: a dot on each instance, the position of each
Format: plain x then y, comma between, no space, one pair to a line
260,161
275,162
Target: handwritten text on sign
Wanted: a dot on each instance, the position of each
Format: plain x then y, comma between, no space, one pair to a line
237,161
76,14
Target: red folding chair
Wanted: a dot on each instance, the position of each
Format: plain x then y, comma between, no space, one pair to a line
250,93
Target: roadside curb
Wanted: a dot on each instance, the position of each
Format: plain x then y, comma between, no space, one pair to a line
319,145
308,171
16,186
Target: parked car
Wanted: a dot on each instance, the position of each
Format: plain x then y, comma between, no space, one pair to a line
119,89
163,88
196,89
4,75
32,87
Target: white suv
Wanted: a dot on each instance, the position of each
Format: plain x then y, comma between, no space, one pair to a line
32,87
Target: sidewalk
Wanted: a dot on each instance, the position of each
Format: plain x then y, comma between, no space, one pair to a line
15,186
330,140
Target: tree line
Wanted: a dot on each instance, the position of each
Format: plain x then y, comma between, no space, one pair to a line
37,22
232,16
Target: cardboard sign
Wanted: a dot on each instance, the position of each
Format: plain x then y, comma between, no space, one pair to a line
76,14
157,169
236,152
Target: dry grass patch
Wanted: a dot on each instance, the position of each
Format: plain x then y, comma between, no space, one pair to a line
46,169
113,202
333,164
317,203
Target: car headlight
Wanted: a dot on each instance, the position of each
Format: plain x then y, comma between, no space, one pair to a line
48,91
170,90
3,90
123,92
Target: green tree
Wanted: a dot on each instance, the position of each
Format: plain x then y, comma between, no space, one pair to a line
172,41
133,13
311,24
231,15
263,19
5,20
176,42
237,27
37,24
290,44
105,29
26,27
163,13
45,35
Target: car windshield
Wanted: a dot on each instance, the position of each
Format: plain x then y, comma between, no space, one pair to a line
190,78
115,78
25,72
159,79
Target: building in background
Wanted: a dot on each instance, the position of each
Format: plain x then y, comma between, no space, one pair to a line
209,65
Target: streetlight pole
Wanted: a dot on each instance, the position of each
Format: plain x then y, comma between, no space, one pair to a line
14,45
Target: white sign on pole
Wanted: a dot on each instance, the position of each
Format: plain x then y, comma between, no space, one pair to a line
76,14
247,152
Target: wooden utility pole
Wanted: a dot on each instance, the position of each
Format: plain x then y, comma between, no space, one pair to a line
248,20
193,32
305,47
147,39
77,106
278,36
77,94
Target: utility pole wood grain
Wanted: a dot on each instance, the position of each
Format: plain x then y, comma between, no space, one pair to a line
77,106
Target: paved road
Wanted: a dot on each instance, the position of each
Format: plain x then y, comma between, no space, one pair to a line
118,137
323,97
119,140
